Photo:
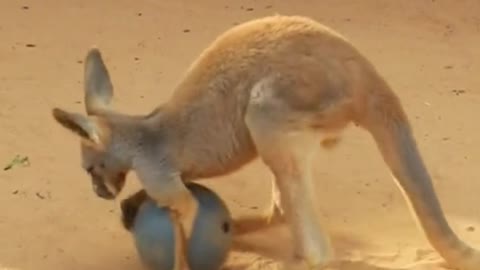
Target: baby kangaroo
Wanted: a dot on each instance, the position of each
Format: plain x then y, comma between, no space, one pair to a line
274,88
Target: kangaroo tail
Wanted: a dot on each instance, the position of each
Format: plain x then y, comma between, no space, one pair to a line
385,119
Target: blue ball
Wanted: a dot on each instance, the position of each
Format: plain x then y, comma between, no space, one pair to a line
154,237
154,232
211,237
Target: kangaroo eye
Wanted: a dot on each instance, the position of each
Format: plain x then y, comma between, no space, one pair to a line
102,165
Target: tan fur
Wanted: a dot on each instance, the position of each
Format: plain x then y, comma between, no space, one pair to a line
272,88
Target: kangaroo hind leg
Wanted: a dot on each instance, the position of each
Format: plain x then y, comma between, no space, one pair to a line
286,146
272,217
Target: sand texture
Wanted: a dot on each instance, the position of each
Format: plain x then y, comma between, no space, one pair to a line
50,218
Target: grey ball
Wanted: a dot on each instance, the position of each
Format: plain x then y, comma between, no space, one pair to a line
153,231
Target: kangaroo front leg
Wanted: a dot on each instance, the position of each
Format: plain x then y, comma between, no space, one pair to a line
275,210
163,184
167,189
173,193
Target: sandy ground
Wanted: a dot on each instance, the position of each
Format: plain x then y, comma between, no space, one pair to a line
50,218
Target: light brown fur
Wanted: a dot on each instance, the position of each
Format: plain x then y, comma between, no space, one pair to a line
272,88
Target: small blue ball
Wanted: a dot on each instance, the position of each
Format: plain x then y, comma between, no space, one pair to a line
209,243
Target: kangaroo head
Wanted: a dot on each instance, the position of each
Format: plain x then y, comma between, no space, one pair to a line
101,158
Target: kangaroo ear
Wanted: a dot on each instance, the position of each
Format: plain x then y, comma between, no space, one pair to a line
84,126
97,84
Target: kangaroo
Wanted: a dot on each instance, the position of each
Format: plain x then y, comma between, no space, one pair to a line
274,88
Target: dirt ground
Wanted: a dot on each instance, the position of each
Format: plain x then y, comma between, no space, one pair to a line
50,218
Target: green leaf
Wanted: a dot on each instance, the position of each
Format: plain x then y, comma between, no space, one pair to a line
18,160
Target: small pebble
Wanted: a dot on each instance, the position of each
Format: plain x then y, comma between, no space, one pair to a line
458,91
40,196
